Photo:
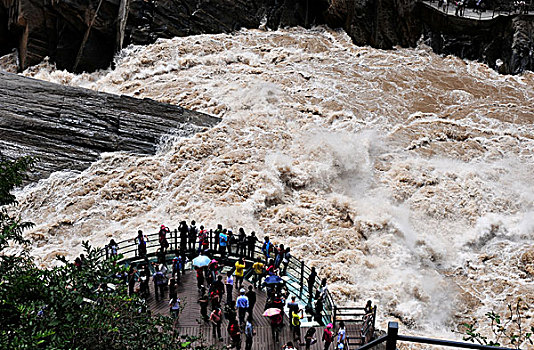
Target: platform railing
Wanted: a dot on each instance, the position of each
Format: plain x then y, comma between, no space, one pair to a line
296,270
393,337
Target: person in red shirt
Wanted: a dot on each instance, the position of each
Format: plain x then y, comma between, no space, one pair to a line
328,337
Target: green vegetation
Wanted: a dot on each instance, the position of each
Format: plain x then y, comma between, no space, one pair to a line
68,307
506,330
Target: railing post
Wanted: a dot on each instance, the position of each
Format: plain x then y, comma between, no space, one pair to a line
175,242
301,278
374,320
393,331
335,316
212,244
107,252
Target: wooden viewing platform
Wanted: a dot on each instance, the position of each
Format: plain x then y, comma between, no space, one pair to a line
190,321
359,330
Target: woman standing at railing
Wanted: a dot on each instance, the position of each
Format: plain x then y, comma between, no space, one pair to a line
162,237
141,241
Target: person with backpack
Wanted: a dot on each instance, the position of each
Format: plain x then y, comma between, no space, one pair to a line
203,240
328,337
216,321
174,307
159,283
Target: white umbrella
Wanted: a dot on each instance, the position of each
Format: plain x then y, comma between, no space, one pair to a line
201,261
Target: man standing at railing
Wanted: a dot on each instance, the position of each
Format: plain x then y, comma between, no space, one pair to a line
184,232
251,242
192,236
141,244
267,248
311,282
223,242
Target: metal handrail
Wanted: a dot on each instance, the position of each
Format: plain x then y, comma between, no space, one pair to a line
296,268
393,336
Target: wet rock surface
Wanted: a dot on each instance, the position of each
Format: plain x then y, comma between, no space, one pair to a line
68,128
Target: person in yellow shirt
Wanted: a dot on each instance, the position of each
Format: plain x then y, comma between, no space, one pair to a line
239,272
259,270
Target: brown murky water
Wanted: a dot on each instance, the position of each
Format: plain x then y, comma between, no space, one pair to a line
404,176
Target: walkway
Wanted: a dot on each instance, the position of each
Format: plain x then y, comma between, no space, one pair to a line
190,322
469,13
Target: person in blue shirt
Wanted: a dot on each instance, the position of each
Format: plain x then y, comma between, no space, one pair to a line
223,242
266,248
242,305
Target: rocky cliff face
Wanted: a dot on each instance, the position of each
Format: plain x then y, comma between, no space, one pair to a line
504,43
68,128
84,35
379,23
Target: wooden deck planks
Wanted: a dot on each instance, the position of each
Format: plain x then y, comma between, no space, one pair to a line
190,322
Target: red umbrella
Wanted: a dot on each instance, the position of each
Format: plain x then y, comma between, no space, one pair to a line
272,312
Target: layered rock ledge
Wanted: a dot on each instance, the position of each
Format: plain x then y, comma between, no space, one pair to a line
68,128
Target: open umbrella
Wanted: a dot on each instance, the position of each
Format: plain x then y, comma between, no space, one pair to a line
273,279
201,261
273,311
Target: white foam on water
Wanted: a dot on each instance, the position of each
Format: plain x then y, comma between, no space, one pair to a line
405,177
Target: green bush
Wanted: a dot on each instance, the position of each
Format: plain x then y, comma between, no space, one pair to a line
68,307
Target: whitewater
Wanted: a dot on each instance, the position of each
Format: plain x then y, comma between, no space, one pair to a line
405,177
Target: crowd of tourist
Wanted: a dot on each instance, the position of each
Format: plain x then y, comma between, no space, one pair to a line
266,267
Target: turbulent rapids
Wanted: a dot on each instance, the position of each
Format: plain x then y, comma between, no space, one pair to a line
405,177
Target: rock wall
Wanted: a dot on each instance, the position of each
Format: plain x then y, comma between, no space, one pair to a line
68,128
77,37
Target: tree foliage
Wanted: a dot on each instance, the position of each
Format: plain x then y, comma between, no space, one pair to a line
67,307
505,330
